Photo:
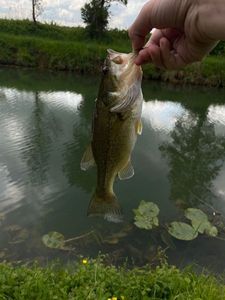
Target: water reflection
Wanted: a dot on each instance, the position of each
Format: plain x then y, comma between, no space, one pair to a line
195,156
162,115
45,127
74,149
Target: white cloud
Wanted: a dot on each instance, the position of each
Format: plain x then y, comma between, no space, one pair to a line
123,16
67,12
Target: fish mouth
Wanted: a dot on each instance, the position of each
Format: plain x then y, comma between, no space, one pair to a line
120,68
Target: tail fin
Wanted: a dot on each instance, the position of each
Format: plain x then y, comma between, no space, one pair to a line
106,206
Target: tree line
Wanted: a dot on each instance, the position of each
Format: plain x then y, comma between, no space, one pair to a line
94,13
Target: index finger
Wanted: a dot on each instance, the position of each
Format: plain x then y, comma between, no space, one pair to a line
158,14
140,28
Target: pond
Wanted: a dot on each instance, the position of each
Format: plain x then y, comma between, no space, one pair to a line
45,121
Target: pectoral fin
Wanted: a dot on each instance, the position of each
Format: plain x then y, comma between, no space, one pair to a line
139,127
127,172
87,160
128,99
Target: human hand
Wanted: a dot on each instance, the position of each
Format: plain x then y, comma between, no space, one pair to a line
186,30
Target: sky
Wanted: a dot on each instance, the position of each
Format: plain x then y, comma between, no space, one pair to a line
67,12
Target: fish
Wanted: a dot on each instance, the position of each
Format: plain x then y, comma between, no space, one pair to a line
116,124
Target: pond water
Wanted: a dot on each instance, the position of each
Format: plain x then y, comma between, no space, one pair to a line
45,124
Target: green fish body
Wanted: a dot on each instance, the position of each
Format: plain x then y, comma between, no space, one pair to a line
116,124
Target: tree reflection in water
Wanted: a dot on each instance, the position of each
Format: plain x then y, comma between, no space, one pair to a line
195,157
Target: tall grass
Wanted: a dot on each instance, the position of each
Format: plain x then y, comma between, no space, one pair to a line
94,280
49,46
52,54
23,43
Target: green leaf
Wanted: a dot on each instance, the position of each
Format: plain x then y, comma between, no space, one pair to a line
196,215
199,219
200,222
212,231
155,221
182,231
201,227
54,240
146,215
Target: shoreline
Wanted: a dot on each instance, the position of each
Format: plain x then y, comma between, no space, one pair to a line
55,48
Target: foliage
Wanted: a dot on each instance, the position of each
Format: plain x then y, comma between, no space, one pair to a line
199,222
54,240
95,15
182,231
219,49
146,215
53,47
92,279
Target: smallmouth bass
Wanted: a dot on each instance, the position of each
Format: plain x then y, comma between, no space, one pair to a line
116,124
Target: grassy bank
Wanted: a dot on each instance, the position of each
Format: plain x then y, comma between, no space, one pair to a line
44,46
23,43
94,280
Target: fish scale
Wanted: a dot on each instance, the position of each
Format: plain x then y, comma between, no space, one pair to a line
116,124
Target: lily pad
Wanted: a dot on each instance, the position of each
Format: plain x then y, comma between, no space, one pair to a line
200,222
54,240
195,214
19,236
146,215
182,231
212,231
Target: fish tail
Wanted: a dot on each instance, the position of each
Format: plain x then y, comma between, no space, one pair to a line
105,205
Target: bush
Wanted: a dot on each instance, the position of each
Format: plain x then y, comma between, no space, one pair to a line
94,280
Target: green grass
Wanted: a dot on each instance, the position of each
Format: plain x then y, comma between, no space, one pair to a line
53,47
48,46
52,54
94,280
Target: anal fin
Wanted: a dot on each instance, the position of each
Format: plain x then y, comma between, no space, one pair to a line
127,172
87,160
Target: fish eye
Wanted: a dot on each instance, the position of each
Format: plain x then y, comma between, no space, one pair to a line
118,60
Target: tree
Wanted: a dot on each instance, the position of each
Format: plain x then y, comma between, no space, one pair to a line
37,9
96,15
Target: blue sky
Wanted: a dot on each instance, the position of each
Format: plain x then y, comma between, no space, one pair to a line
67,12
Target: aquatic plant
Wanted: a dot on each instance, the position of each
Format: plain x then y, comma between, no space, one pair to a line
146,215
182,231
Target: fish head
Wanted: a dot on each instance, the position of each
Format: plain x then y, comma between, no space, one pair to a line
119,69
